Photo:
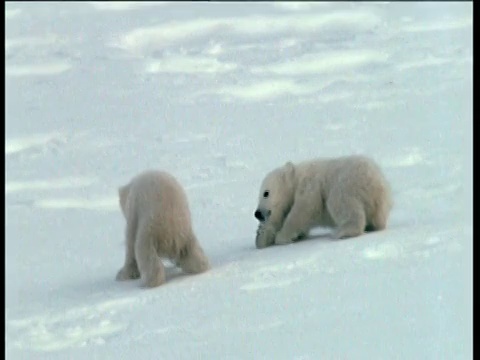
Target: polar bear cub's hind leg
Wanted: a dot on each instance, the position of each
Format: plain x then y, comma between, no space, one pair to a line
151,268
380,217
382,206
349,216
129,271
192,259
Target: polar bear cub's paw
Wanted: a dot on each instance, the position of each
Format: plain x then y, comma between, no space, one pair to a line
265,236
128,273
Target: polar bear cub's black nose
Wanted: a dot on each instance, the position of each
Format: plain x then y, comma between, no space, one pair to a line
259,215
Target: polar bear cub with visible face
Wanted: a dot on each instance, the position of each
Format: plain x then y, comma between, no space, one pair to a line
348,193
158,225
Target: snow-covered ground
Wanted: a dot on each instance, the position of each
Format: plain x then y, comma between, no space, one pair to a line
218,94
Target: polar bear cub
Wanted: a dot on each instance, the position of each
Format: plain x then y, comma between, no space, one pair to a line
158,220
348,193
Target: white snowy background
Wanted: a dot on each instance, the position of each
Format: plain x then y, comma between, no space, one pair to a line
218,94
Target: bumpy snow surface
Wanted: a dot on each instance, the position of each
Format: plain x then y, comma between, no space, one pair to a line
218,95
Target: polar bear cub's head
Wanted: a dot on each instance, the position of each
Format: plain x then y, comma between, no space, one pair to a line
276,193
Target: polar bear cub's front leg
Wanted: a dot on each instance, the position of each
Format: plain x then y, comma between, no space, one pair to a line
296,225
298,221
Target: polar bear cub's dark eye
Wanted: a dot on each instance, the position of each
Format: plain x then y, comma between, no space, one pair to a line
265,194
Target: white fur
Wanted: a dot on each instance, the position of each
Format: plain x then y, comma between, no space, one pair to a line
158,225
348,193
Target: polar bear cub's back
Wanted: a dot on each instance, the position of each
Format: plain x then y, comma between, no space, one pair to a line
158,195
350,177
355,174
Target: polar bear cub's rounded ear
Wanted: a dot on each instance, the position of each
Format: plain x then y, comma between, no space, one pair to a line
289,170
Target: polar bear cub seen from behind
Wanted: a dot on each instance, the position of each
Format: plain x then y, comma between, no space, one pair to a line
348,193
158,225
